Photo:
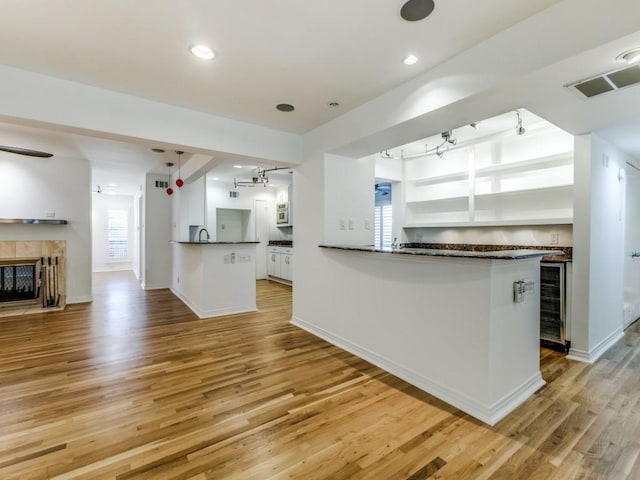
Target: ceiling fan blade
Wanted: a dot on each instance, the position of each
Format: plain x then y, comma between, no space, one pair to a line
25,151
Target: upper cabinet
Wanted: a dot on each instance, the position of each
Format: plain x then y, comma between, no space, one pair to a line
501,179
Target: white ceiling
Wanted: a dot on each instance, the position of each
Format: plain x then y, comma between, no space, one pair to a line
274,51
268,51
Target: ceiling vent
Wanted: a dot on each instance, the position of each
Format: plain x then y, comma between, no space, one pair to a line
607,82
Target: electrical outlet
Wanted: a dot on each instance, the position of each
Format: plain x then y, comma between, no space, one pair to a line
367,225
555,238
50,214
351,224
342,224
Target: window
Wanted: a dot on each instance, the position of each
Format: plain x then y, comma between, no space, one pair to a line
383,234
383,230
117,234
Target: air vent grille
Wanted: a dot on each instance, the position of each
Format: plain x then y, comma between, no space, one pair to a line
608,82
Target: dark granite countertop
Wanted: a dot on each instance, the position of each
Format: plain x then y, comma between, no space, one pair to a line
280,243
214,243
514,254
566,253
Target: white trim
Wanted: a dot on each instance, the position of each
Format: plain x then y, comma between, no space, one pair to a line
595,353
218,312
80,299
146,286
489,414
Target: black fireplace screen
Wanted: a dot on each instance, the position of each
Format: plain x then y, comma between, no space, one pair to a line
17,282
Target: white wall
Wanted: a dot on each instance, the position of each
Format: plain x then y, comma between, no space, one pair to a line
598,252
189,207
99,218
218,197
30,188
349,200
157,229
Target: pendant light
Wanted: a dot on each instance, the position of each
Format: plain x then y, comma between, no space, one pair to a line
169,189
179,181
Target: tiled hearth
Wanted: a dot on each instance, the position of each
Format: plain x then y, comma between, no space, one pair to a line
21,250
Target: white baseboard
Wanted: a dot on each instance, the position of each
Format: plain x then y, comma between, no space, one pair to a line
489,414
596,352
150,286
218,312
80,299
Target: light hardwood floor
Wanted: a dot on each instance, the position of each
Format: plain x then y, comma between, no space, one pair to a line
135,386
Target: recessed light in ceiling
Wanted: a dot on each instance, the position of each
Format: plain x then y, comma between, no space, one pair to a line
630,56
237,166
415,10
285,107
157,150
202,51
410,60
333,104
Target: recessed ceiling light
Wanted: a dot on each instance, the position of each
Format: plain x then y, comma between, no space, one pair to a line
333,104
157,150
112,185
215,178
202,51
237,166
285,107
630,56
410,60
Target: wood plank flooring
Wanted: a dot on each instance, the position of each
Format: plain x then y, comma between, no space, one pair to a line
134,386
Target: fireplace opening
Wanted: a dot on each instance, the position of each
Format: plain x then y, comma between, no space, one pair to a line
18,283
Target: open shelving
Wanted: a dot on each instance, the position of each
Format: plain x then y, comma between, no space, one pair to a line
533,191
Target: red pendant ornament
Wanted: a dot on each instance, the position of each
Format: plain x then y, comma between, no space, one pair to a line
169,189
179,181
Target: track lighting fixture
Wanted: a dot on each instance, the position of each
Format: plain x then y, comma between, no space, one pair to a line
520,130
260,178
447,137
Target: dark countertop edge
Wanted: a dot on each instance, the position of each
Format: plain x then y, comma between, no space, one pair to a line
34,221
495,255
214,243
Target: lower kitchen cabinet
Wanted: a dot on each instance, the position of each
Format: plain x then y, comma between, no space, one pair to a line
279,264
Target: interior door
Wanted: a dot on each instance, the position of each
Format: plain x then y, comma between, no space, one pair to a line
632,247
262,236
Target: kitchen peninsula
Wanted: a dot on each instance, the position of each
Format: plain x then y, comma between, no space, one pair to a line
460,325
215,278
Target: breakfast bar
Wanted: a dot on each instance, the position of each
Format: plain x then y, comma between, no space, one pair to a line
460,325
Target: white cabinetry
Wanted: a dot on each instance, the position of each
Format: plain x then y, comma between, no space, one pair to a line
279,263
494,183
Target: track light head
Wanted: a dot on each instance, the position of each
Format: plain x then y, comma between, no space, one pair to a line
520,130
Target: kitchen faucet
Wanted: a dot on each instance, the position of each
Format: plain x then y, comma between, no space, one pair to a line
394,244
200,234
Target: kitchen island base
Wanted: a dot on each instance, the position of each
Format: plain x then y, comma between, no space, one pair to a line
448,325
215,279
